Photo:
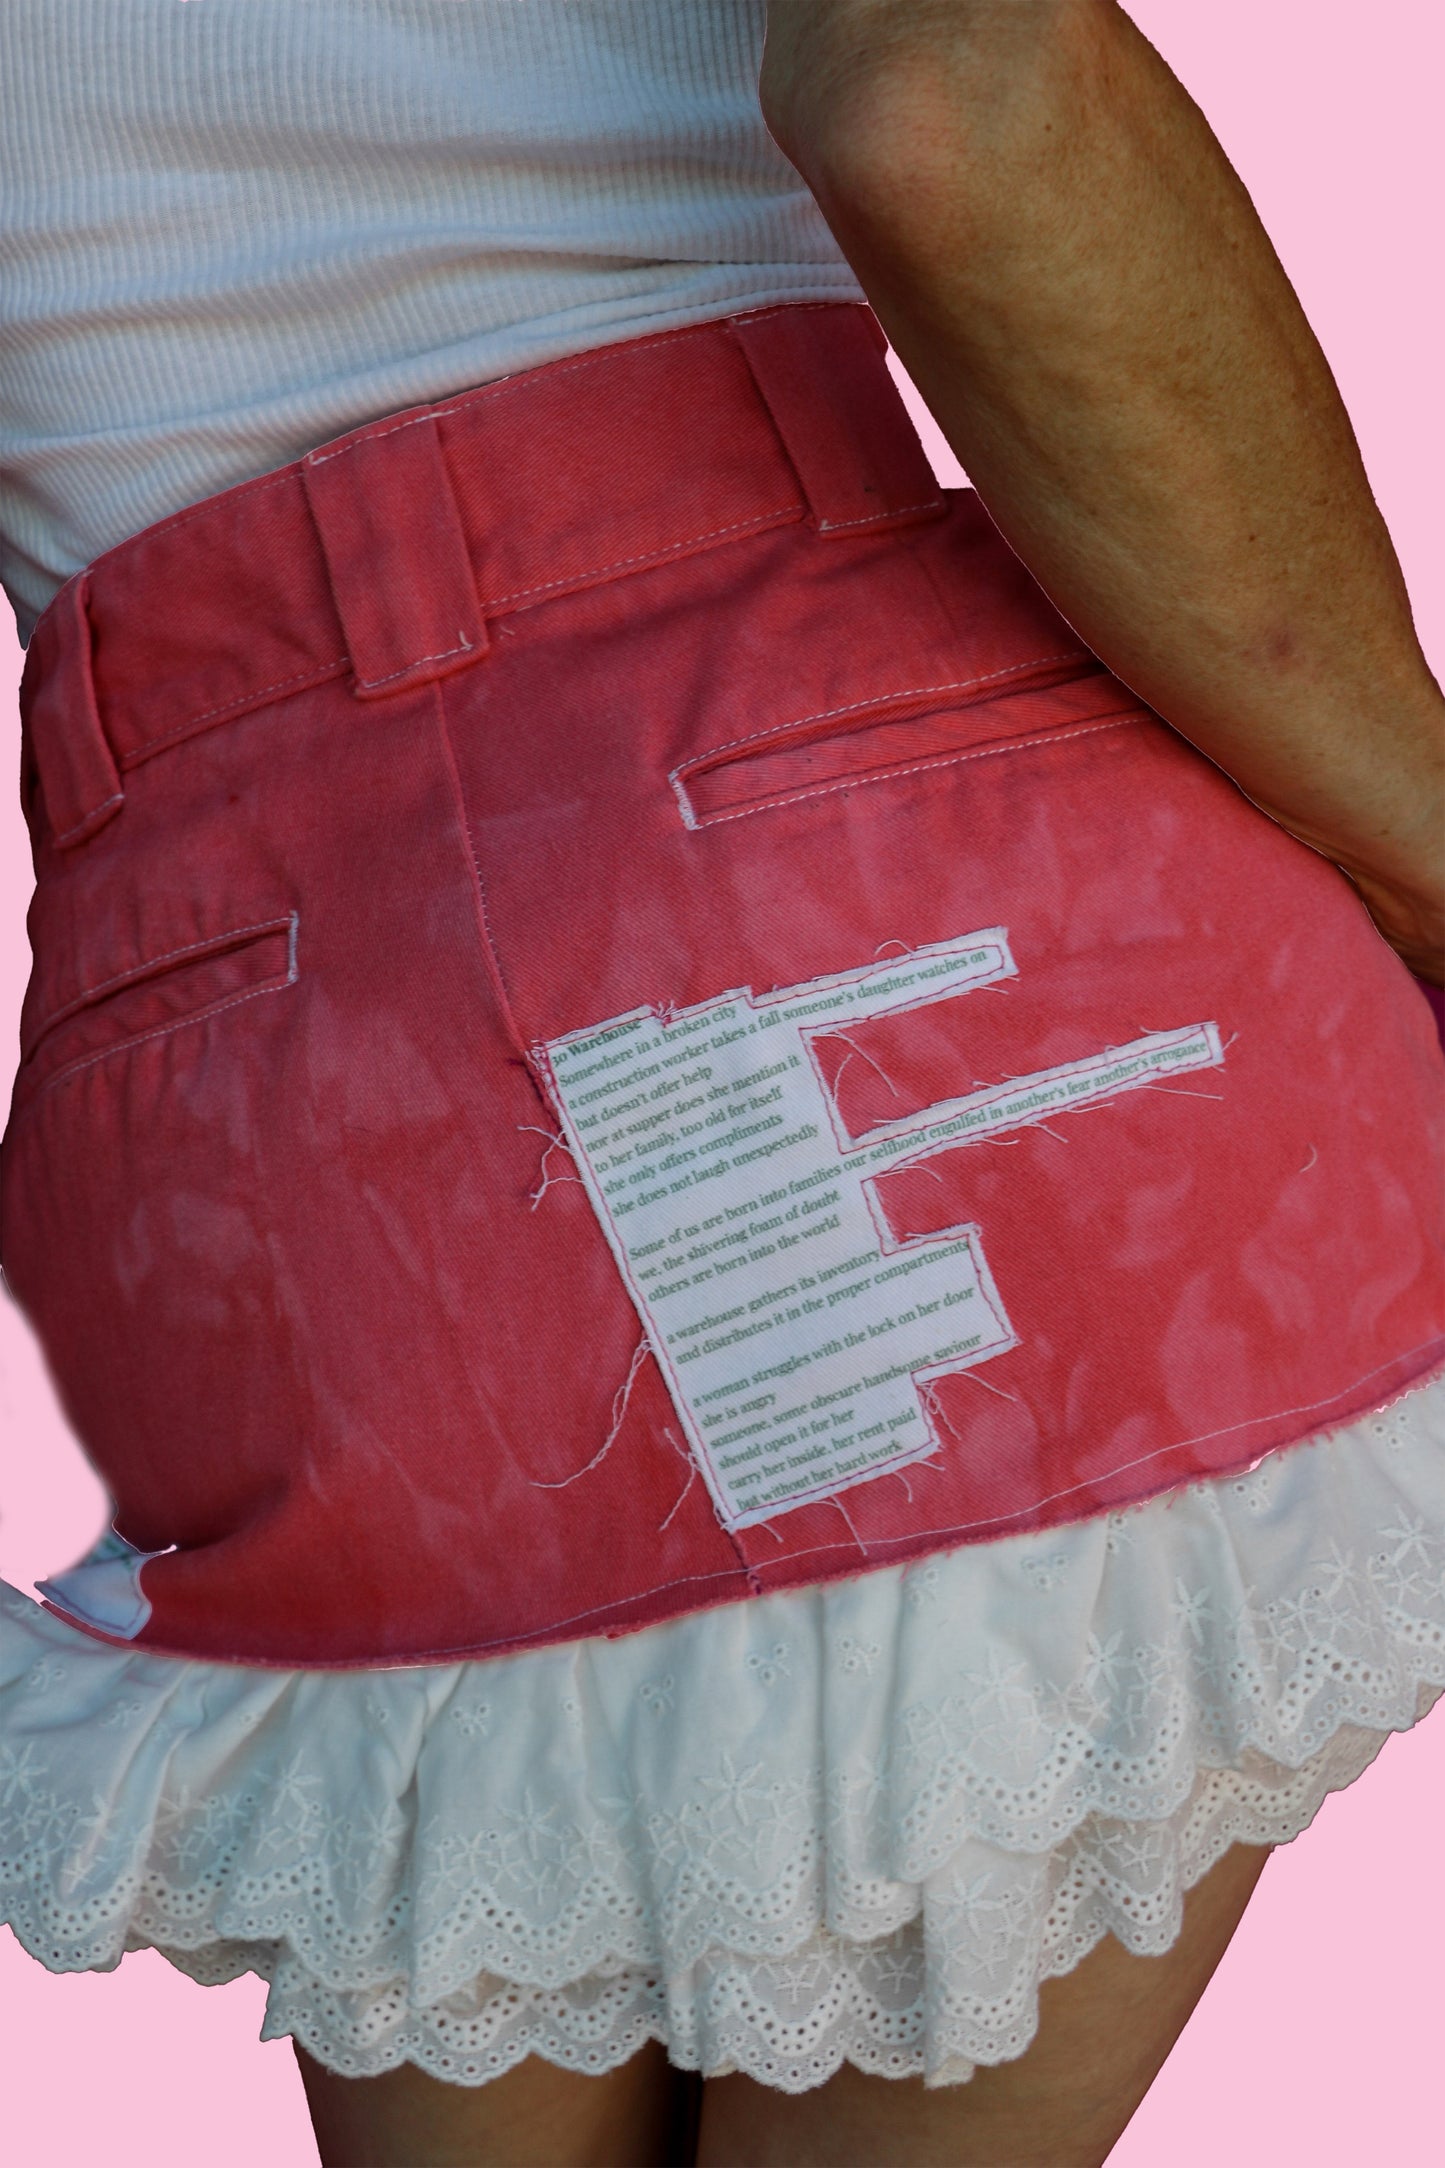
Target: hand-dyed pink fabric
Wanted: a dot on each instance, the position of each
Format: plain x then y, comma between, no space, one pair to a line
355,785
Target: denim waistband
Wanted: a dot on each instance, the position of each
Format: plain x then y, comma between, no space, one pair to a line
385,553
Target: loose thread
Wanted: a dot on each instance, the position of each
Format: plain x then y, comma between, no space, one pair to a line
842,1071
863,1055
939,1413
936,1409
672,1516
975,1379
556,1142
851,1529
619,1410
691,1465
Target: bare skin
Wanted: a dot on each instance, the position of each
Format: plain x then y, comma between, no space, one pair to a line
1075,278
1105,2030
638,2116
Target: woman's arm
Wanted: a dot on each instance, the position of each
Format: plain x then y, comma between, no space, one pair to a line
1076,280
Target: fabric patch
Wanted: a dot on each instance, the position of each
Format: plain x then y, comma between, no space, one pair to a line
1030,1098
797,1335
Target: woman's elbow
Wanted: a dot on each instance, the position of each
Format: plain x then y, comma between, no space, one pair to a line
879,90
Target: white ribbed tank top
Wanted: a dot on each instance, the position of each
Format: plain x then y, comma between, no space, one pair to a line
232,229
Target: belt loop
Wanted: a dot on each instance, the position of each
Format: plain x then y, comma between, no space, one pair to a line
396,556
821,372
60,717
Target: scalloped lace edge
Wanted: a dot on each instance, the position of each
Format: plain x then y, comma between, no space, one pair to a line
861,1822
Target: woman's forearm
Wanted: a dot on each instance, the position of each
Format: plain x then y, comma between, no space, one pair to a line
1076,281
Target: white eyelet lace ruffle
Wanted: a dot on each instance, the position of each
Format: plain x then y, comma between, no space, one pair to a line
862,1821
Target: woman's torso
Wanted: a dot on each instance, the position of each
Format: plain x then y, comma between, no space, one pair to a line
234,228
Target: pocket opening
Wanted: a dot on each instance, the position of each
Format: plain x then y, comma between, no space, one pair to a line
891,737
180,986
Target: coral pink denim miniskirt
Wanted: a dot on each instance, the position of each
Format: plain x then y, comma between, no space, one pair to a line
625,1018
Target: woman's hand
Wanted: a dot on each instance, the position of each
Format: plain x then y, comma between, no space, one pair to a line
1399,872
1413,924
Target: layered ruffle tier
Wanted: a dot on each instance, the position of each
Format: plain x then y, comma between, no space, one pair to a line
862,1821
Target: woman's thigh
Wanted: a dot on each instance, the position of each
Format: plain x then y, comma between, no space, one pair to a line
1104,2031
639,2116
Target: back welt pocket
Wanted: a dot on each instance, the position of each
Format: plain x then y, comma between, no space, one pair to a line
901,734
182,986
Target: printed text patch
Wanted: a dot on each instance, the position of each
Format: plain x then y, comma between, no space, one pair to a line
797,1336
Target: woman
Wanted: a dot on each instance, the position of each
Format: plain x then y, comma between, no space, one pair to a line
735,1240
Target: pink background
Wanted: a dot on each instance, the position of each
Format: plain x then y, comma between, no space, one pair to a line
1318,2038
